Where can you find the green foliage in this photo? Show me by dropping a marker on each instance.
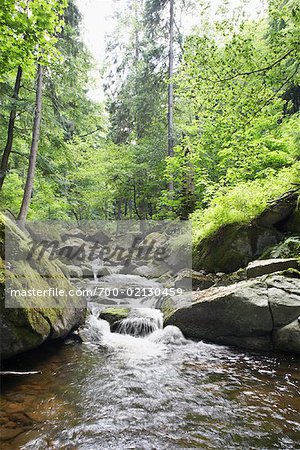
(236, 89)
(243, 202)
(28, 32)
(237, 96)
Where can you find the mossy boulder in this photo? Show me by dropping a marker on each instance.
(233, 246)
(113, 315)
(26, 324)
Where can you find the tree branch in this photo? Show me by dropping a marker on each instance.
(274, 95)
(241, 74)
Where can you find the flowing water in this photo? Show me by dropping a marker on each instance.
(159, 391)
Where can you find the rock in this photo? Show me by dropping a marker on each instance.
(237, 310)
(284, 308)
(233, 246)
(293, 224)
(244, 314)
(100, 236)
(190, 279)
(76, 233)
(25, 325)
(113, 315)
(73, 252)
(287, 338)
(264, 267)
(103, 271)
(288, 248)
(166, 305)
(150, 272)
(260, 343)
(279, 211)
(284, 299)
(75, 272)
(88, 271)
(128, 269)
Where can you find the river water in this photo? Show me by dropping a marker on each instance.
(156, 392)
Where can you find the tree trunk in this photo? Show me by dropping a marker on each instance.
(34, 148)
(171, 87)
(10, 131)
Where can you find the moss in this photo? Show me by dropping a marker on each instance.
(113, 315)
(292, 273)
(289, 248)
(28, 324)
(232, 247)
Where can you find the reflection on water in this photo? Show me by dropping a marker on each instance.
(146, 394)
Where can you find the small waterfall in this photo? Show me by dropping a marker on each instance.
(141, 335)
(155, 315)
(136, 326)
(141, 322)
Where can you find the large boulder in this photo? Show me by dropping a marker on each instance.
(190, 279)
(246, 314)
(234, 245)
(280, 211)
(25, 325)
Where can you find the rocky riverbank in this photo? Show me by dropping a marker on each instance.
(24, 327)
(258, 314)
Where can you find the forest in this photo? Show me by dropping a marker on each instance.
(201, 125)
(150, 235)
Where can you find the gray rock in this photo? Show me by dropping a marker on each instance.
(287, 338)
(32, 321)
(103, 271)
(233, 246)
(237, 310)
(100, 236)
(190, 279)
(288, 248)
(244, 314)
(76, 233)
(279, 210)
(75, 271)
(284, 306)
(88, 271)
(113, 315)
(264, 267)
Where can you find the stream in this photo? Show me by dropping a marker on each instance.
(160, 391)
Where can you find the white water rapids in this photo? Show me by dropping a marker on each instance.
(140, 335)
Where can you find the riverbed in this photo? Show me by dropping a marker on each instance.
(138, 393)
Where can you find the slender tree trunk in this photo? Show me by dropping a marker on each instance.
(171, 87)
(34, 148)
(10, 131)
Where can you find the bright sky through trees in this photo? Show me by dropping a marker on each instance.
(98, 21)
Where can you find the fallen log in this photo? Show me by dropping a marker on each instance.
(9, 372)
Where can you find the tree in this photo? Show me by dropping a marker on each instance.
(171, 88)
(27, 30)
(10, 131)
(34, 148)
(231, 90)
